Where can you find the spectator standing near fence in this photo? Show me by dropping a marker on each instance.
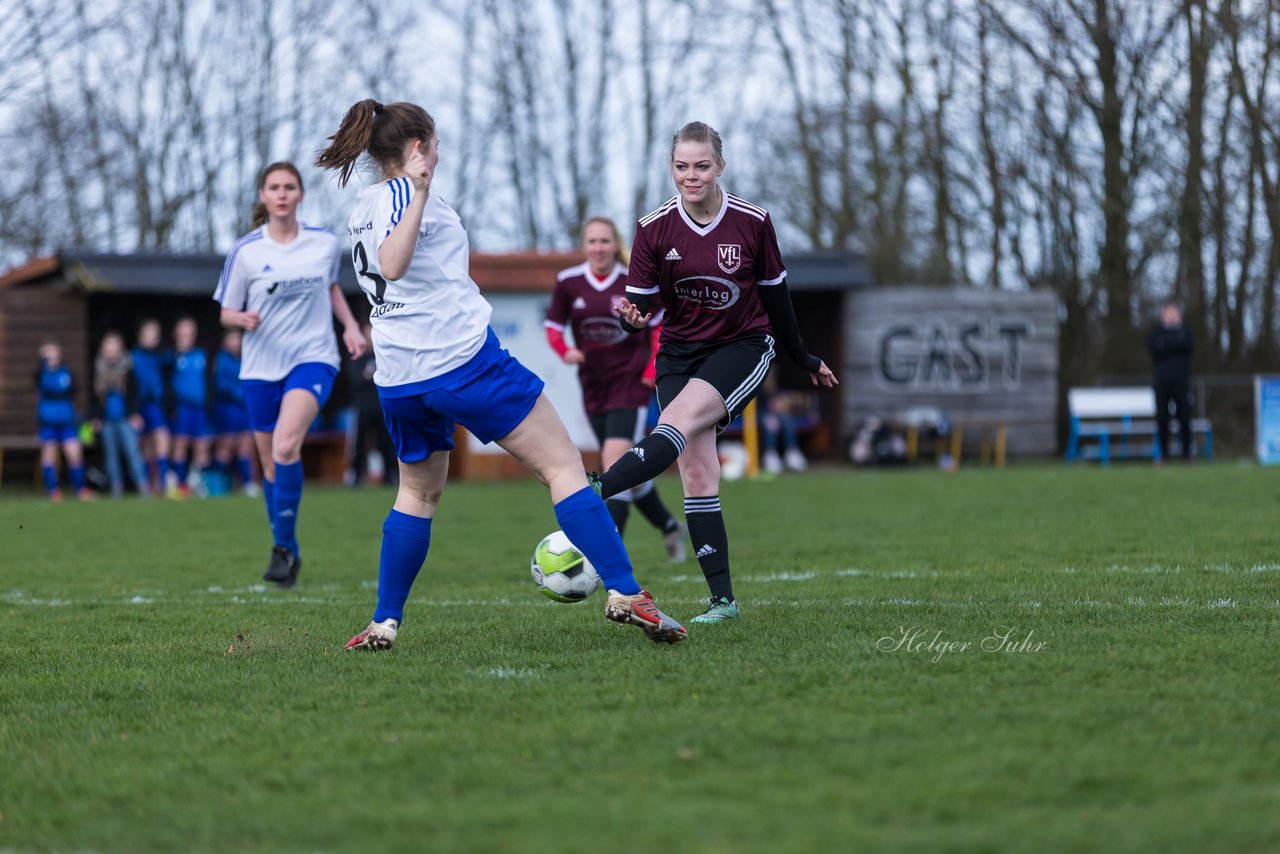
(1171, 345)
(615, 370)
(114, 393)
(58, 424)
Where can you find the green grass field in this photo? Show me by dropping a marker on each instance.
(154, 696)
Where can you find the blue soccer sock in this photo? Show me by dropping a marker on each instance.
(77, 477)
(244, 468)
(183, 468)
(288, 495)
(587, 523)
(405, 540)
(162, 470)
(269, 499)
(50, 478)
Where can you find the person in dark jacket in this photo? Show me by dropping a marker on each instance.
(1171, 345)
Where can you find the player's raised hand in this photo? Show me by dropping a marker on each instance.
(824, 377)
(417, 169)
(630, 314)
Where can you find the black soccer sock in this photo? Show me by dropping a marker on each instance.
(618, 509)
(651, 507)
(651, 456)
(706, 530)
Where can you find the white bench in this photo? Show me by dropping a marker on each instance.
(1120, 423)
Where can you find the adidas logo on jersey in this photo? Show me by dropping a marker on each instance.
(316, 388)
(266, 268)
(673, 255)
(705, 551)
(579, 303)
(638, 451)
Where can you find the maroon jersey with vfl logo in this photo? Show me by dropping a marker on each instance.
(614, 360)
(707, 276)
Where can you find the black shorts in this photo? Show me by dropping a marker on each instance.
(735, 369)
(626, 424)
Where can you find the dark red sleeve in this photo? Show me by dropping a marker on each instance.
(642, 272)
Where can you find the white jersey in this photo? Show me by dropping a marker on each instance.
(433, 319)
(287, 284)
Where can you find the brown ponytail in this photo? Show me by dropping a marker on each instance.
(381, 130)
(259, 209)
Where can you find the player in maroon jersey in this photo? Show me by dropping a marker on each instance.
(713, 259)
(616, 370)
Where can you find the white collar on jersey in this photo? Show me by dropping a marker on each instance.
(698, 229)
(600, 286)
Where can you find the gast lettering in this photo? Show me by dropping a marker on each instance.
(955, 356)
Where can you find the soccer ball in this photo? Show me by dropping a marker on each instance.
(561, 571)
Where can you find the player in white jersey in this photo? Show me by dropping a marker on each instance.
(280, 285)
(438, 363)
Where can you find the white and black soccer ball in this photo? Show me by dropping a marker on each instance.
(561, 571)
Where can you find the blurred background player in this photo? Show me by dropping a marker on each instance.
(440, 362)
(280, 285)
(713, 259)
(59, 427)
(151, 366)
(366, 430)
(1171, 345)
(233, 441)
(191, 411)
(615, 369)
(115, 396)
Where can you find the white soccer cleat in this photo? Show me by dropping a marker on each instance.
(376, 636)
(795, 460)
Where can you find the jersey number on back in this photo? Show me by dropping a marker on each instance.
(361, 260)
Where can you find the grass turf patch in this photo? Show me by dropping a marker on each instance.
(1036, 658)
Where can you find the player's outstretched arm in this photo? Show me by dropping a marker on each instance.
(782, 317)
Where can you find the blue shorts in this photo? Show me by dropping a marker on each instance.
(153, 417)
(490, 396)
(58, 432)
(230, 419)
(191, 422)
(263, 397)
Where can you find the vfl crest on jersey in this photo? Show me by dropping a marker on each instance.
(729, 257)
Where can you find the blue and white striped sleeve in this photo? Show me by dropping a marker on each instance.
(233, 286)
(401, 191)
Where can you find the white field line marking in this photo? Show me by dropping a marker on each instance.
(330, 593)
(1129, 603)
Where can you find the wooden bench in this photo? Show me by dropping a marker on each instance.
(1120, 423)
